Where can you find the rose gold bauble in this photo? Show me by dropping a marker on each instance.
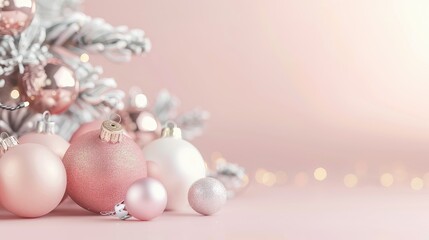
(16, 15)
(52, 87)
(9, 90)
(53, 142)
(99, 172)
(141, 125)
(86, 128)
(32, 180)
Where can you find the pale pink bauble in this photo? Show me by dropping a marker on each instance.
(32, 180)
(86, 128)
(99, 173)
(146, 199)
(53, 142)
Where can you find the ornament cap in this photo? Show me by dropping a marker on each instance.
(120, 211)
(8, 142)
(111, 131)
(46, 125)
(171, 130)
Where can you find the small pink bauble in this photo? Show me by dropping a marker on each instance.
(53, 142)
(85, 128)
(100, 172)
(32, 180)
(146, 199)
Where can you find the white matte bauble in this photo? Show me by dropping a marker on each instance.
(180, 165)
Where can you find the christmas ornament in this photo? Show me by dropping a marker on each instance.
(180, 165)
(207, 196)
(45, 135)
(52, 87)
(146, 199)
(32, 178)
(86, 128)
(140, 123)
(101, 165)
(16, 15)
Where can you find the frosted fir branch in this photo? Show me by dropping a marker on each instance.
(50, 11)
(19, 122)
(80, 33)
(192, 123)
(28, 48)
(165, 107)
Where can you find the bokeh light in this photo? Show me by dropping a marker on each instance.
(84, 57)
(350, 180)
(386, 179)
(320, 174)
(14, 94)
(416, 183)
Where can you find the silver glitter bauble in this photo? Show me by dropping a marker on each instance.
(207, 196)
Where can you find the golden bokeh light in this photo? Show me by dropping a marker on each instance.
(269, 179)
(14, 94)
(386, 179)
(417, 183)
(84, 57)
(350, 180)
(320, 174)
(259, 175)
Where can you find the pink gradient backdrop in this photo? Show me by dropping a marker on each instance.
(290, 85)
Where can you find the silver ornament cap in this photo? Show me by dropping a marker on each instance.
(111, 131)
(46, 125)
(8, 142)
(171, 130)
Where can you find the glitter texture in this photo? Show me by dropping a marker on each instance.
(207, 196)
(99, 173)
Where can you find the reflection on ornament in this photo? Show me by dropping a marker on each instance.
(140, 123)
(16, 15)
(52, 87)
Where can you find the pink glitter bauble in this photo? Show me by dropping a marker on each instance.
(146, 199)
(99, 173)
(32, 180)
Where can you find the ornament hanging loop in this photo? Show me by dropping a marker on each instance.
(46, 125)
(170, 129)
(115, 117)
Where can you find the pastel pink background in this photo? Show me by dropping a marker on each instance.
(290, 84)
